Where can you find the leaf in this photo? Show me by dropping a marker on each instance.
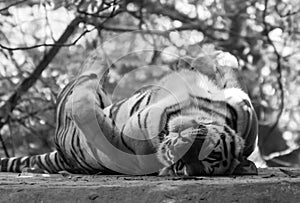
(93, 196)
(65, 174)
(292, 174)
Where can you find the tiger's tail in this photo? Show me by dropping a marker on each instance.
(49, 162)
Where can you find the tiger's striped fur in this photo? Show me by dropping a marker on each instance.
(188, 124)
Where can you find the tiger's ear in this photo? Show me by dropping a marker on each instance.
(245, 167)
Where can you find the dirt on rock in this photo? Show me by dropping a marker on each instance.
(271, 185)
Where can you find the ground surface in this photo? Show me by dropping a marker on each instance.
(271, 185)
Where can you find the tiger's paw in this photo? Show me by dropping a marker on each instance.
(166, 171)
(246, 167)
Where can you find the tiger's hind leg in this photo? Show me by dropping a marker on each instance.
(76, 105)
(84, 105)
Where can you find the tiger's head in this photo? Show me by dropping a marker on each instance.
(200, 148)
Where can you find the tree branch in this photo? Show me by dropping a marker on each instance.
(4, 146)
(166, 10)
(12, 4)
(57, 44)
(27, 83)
(188, 23)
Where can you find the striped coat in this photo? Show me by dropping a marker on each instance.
(187, 124)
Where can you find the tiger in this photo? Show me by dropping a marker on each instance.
(196, 120)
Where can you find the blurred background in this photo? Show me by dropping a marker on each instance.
(43, 44)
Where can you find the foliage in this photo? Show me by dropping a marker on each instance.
(263, 34)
